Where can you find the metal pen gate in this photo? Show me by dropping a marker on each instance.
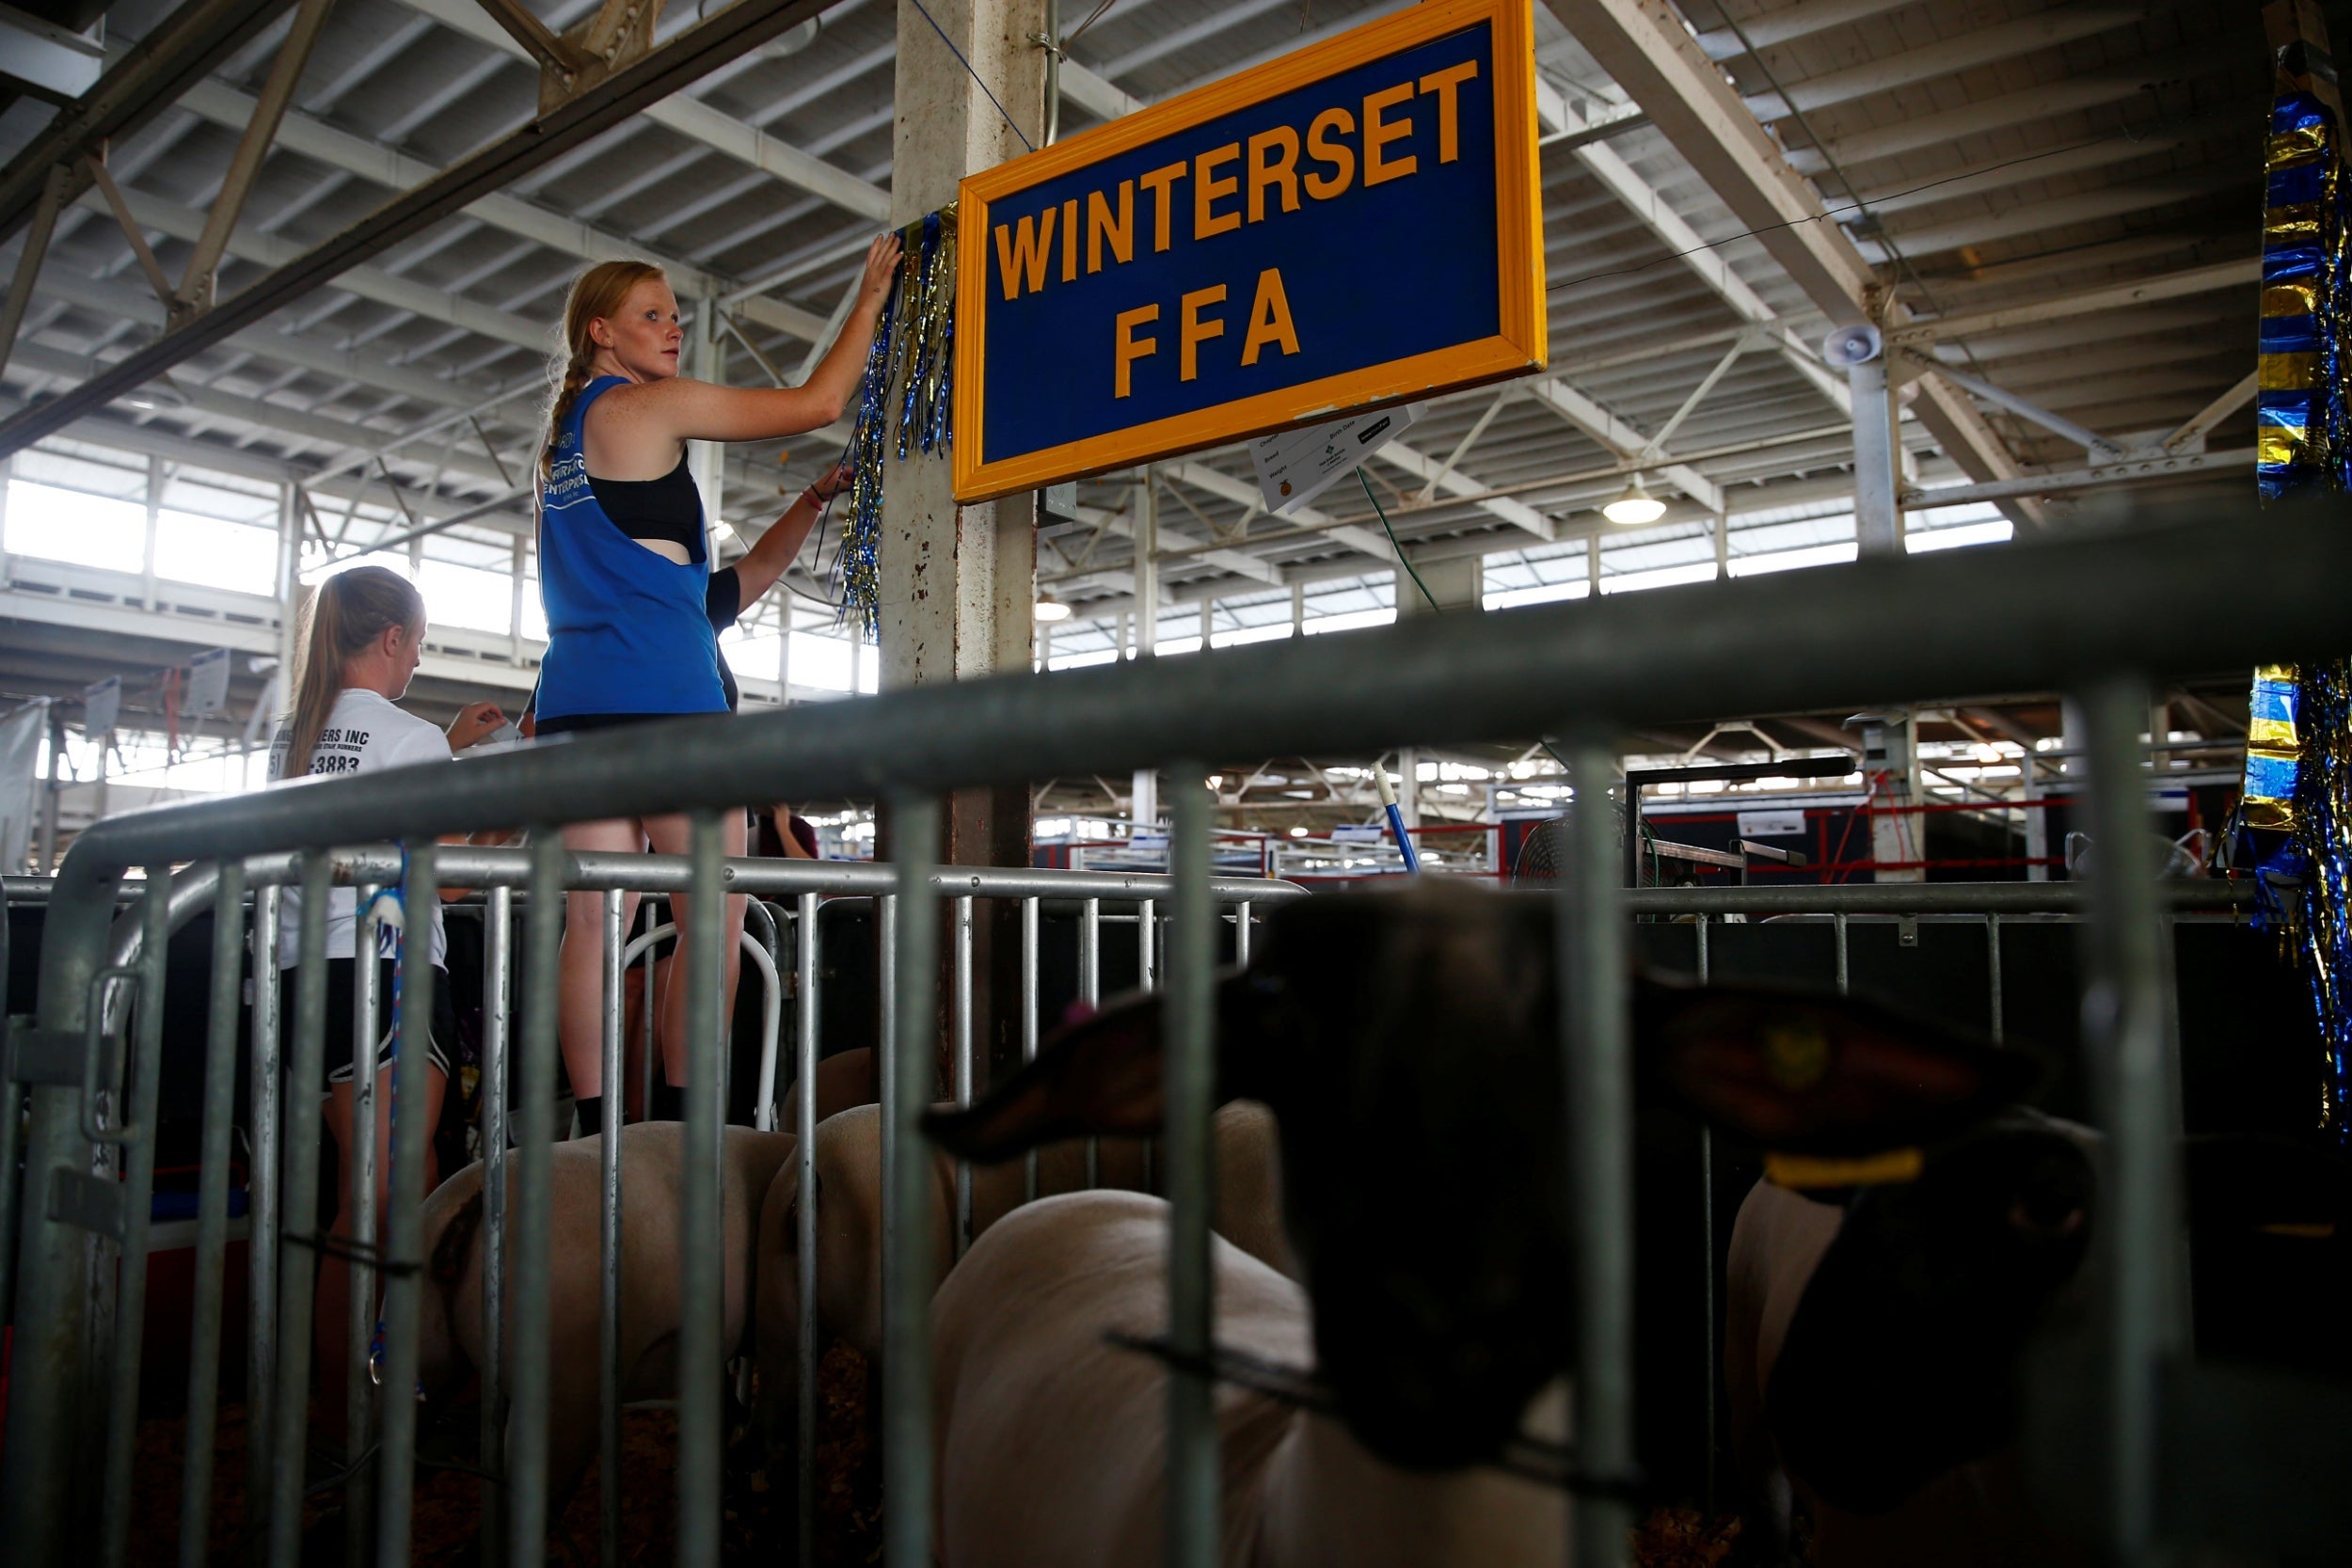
(2021, 619)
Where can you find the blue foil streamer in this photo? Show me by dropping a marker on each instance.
(2297, 804)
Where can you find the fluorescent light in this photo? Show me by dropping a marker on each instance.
(1049, 609)
(1635, 507)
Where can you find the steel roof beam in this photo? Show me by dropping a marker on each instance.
(183, 48)
(2143, 290)
(1620, 440)
(395, 171)
(699, 121)
(1688, 100)
(1797, 21)
(664, 71)
(2045, 101)
(301, 424)
(2086, 207)
(1708, 263)
(371, 283)
(1966, 52)
(1242, 493)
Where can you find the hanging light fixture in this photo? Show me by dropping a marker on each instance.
(1049, 609)
(1635, 507)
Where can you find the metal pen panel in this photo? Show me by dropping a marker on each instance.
(702, 1350)
(1995, 1001)
(804, 1153)
(963, 1062)
(146, 1079)
(212, 1215)
(886, 1069)
(1147, 929)
(649, 1046)
(1837, 924)
(403, 1217)
(528, 1242)
(360, 1193)
(907, 1461)
(11, 1117)
(609, 1245)
(261, 1215)
(1189, 1094)
(1707, 1257)
(497, 941)
(1596, 1035)
(1028, 1026)
(2126, 1041)
(49, 1424)
(1090, 992)
(297, 1266)
(10, 1128)
(1241, 933)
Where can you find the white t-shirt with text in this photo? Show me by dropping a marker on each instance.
(365, 734)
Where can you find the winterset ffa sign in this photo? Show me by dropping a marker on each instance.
(1355, 224)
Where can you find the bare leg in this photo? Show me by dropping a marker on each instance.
(579, 1005)
(331, 1319)
(669, 835)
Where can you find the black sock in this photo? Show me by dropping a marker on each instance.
(590, 1109)
(668, 1103)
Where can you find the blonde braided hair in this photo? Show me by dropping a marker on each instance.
(598, 294)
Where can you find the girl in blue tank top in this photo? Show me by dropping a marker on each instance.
(625, 578)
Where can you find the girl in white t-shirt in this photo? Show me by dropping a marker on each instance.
(364, 639)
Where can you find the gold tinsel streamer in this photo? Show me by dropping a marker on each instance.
(2296, 803)
(912, 364)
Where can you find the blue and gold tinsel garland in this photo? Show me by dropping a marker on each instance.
(911, 364)
(2302, 433)
(2295, 809)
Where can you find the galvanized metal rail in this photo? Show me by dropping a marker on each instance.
(2096, 618)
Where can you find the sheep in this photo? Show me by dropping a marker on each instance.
(1437, 1311)
(1870, 1349)
(1875, 1349)
(848, 1227)
(652, 1272)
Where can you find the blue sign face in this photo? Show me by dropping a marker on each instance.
(1175, 290)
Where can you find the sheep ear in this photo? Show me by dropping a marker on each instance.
(1097, 1077)
(1822, 1074)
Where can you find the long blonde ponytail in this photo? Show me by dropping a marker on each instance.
(350, 610)
(598, 294)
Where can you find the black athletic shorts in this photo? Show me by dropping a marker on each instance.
(341, 1013)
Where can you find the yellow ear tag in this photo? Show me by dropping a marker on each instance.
(1795, 1055)
(1801, 1171)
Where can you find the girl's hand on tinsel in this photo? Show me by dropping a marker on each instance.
(881, 266)
(823, 491)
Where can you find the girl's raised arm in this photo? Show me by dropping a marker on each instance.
(700, 411)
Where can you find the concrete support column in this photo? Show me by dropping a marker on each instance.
(784, 652)
(959, 584)
(1408, 783)
(157, 476)
(518, 568)
(285, 588)
(1878, 520)
(707, 360)
(1723, 544)
(1592, 566)
(1458, 584)
(1145, 807)
(6, 575)
(1298, 610)
(1890, 751)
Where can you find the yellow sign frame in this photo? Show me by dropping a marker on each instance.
(1521, 345)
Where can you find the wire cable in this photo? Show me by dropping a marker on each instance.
(975, 75)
